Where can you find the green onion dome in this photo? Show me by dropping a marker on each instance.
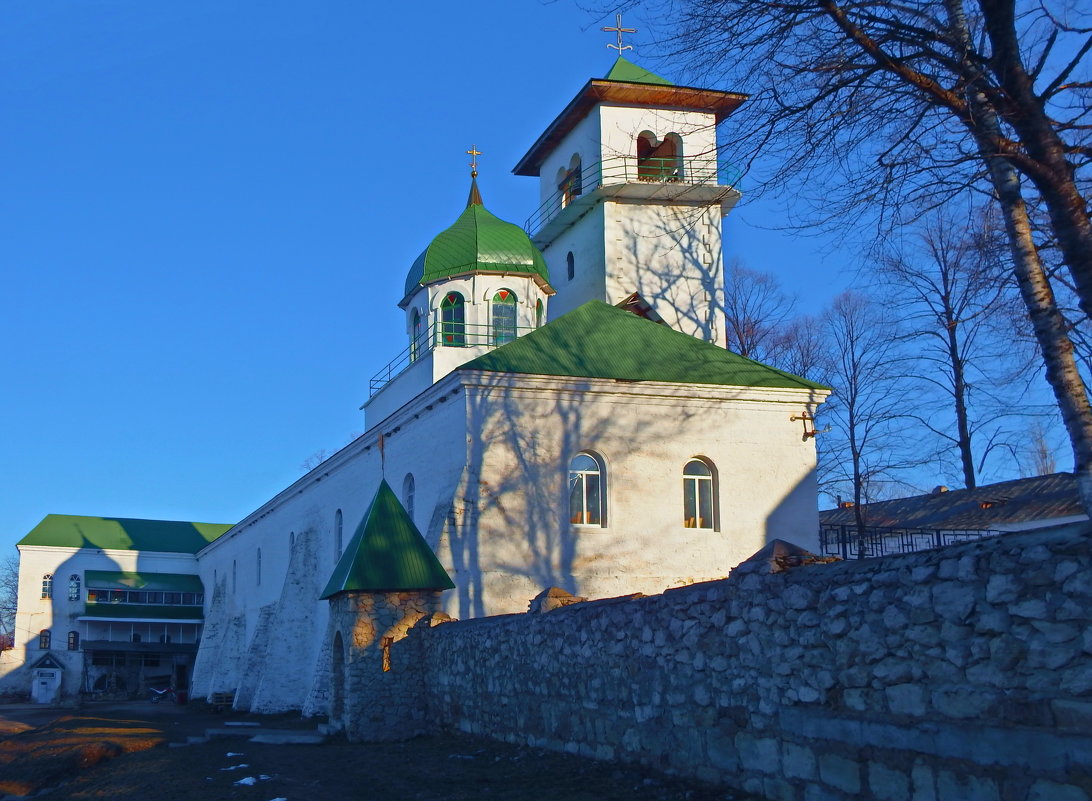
(478, 242)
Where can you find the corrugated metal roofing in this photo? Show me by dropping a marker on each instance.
(625, 70)
(387, 553)
(601, 341)
(1021, 500)
(123, 534)
(478, 241)
(117, 580)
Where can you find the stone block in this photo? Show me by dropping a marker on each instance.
(966, 788)
(1077, 680)
(839, 772)
(1044, 790)
(906, 699)
(798, 761)
(720, 748)
(778, 790)
(923, 783)
(1072, 714)
(1032, 608)
(961, 702)
(1002, 588)
(758, 753)
(886, 784)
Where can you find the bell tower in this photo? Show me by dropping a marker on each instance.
(632, 197)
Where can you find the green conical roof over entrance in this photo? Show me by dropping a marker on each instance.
(600, 341)
(387, 553)
(624, 70)
(478, 242)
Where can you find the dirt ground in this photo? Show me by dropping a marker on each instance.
(122, 752)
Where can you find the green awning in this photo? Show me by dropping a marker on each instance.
(163, 582)
(143, 612)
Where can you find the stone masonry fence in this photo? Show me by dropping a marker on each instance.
(959, 674)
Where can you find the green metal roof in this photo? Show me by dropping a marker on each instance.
(387, 553)
(123, 534)
(624, 70)
(478, 241)
(600, 341)
(166, 582)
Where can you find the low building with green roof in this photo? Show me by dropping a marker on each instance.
(116, 604)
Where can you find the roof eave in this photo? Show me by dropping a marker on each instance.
(600, 90)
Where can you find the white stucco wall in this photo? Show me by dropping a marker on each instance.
(489, 454)
(530, 428)
(671, 255)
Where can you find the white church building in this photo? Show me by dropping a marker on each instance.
(564, 415)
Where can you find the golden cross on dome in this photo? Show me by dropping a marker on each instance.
(619, 30)
(474, 153)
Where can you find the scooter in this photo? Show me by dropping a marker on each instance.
(156, 695)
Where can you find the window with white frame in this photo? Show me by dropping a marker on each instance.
(587, 491)
(699, 495)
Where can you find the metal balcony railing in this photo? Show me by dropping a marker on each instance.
(691, 171)
(446, 335)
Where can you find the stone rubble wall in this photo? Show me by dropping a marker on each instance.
(383, 704)
(959, 674)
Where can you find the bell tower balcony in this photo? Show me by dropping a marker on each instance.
(691, 181)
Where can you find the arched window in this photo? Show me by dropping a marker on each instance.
(259, 568)
(74, 587)
(587, 496)
(43, 639)
(409, 489)
(698, 495)
(659, 160)
(47, 586)
(73, 641)
(539, 313)
(338, 544)
(416, 336)
(504, 317)
(453, 320)
(570, 265)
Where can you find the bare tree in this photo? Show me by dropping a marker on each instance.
(1040, 451)
(756, 310)
(887, 107)
(9, 596)
(951, 289)
(867, 448)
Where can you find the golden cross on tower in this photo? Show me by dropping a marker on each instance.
(474, 153)
(619, 30)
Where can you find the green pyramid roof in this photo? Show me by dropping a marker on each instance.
(601, 341)
(387, 553)
(624, 70)
(123, 534)
(478, 241)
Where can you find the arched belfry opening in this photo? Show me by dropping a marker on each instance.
(659, 159)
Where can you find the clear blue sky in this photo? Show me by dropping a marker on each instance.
(207, 211)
